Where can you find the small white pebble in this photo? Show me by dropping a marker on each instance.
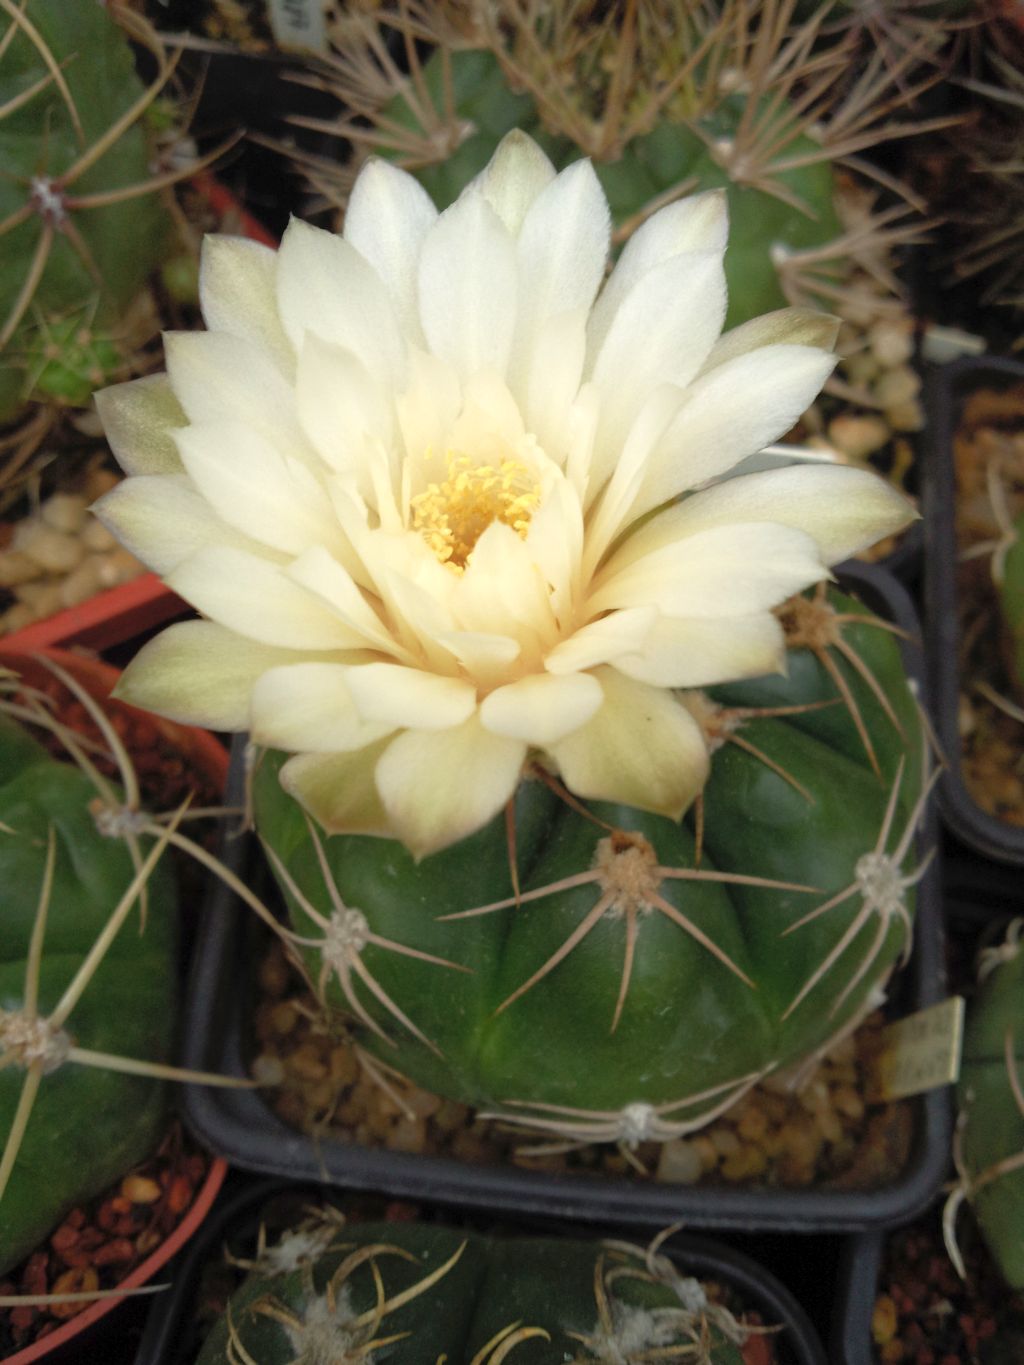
(64, 512)
(679, 1162)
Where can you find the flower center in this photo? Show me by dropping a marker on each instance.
(453, 515)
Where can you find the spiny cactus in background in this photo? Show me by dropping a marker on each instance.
(667, 98)
(989, 1144)
(424, 1293)
(608, 975)
(78, 982)
(88, 965)
(82, 225)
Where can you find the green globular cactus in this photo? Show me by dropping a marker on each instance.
(1010, 591)
(990, 1138)
(637, 976)
(81, 228)
(416, 1294)
(68, 1125)
(667, 101)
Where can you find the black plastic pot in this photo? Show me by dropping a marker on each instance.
(172, 1336)
(241, 1126)
(946, 390)
(857, 1286)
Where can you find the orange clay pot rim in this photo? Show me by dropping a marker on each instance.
(143, 1271)
(99, 678)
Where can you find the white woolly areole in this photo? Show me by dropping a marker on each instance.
(33, 1040)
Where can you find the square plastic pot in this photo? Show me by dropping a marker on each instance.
(240, 1124)
(946, 391)
(171, 1336)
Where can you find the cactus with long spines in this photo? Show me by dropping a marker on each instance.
(667, 100)
(606, 974)
(424, 1293)
(68, 1129)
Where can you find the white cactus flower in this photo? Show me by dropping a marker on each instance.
(431, 484)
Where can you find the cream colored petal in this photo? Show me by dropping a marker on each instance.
(641, 748)
(163, 519)
(339, 790)
(238, 292)
(550, 379)
(247, 594)
(440, 786)
(542, 708)
(428, 406)
(561, 254)
(307, 708)
(734, 410)
(785, 327)
(731, 570)
(603, 641)
(698, 653)
(340, 403)
(555, 544)
(485, 657)
(198, 673)
(216, 376)
(325, 286)
(139, 419)
(660, 334)
(844, 510)
(318, 570)
(467, 287)
(502, 592)
(388, 216)
(513, 178)
(410, 697)
(252, 487)
(613, 511)
(697, 223)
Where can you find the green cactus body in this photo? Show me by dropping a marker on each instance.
(62, 260)
(993, 1114)
(530, 1301)
(1011, 604)
(88, 1126)
(655, 997)
(764, 226)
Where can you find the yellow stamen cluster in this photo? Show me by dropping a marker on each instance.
(453, 515)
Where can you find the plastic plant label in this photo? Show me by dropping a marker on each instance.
(920, 1053)
(298, 23)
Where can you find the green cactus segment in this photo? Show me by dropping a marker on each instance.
(88, 1126)
(118, 244)
(648, 989)
(1011, 604)
(538, 1298)
(673, 154)
(993, 1131)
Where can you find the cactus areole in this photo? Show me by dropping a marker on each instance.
(413, 1294)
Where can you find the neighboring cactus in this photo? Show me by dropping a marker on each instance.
(607, 974)
(81, 227)
(990, 1137)
(424, 1293)
(69, 1129)
(88, 964)
(667, 99)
